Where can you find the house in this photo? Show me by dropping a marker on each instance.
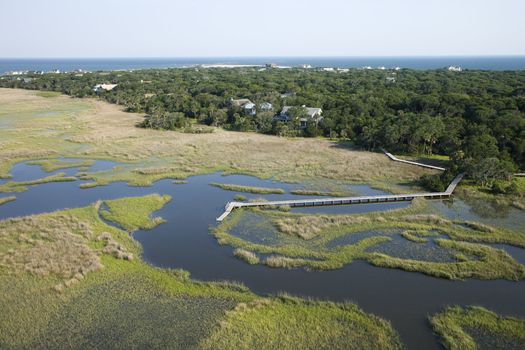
(247, 106)
(107, 87)
(240, 102)
(250, 109)
(390, 79)
(266, 107)
(455, 69)
(312, 114)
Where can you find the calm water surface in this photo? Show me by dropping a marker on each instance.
(108, 64)
(404, 298)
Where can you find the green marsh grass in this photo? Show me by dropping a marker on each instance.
(290, 323)
(415, 236)
(5, 200)
(454, 324)
(248, 189)
(22, 185)
(246, 255)
(49, 165)
(310, 235)
(303, 192)
(52, 296)
(120, 213)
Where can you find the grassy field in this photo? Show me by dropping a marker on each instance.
(476, 328)
(36, 128)
(48, 94)
(301, 240)
(69, 280)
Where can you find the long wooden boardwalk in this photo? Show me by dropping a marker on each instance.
(394, 158)
(343, 200)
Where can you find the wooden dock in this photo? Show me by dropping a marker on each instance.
(343, 200)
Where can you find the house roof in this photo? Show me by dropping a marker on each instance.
(312, 112)
(249, 105)
(240, 102)
(106, 87)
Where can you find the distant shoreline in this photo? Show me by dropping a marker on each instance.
(496, 63)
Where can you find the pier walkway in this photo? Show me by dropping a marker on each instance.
(343, 200)
(394, 158)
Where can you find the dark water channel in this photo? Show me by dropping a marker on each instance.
(406, 299)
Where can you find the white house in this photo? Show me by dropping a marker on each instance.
(247, 106)
(266, 107)
(455, 68)
(107, 87)
(312, 114)
(250, 109)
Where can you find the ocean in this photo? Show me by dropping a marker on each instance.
(497, 63)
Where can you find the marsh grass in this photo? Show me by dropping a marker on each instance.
(247, 189)
(45, 303)
(54, 291)
(5, 200)
(22, 186)
(290, 323)
(50, 165)
(240, 198)
(179, 182)
(91, 129)
(88, 185)
(277, 261)
(250, 257)
(454, 323)
(309, 227)
(132, 213)
(303, 192)
(42, 246)
(416, 236)
(313, 235)
(489, 264)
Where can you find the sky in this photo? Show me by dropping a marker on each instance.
(270, 28)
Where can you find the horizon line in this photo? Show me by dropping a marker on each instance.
(270, 56)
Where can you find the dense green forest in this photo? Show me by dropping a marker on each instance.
(475, 117)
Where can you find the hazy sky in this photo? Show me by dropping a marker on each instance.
(185, 28)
